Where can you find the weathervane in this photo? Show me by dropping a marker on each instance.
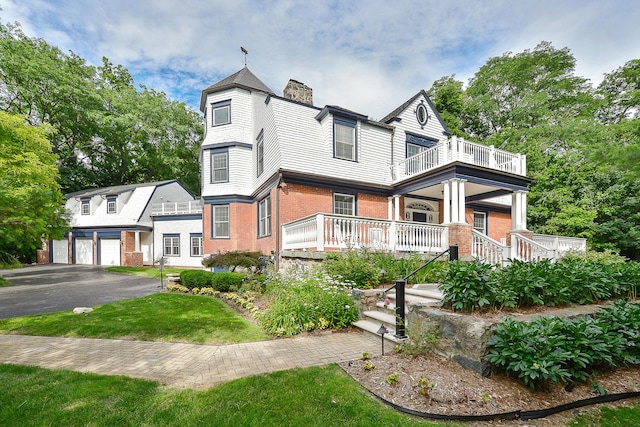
(243, 50)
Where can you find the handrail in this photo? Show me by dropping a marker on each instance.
(404, 279)
(400, 284)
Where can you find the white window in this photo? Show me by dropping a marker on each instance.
(196, 245)
(264, 217)
(260, 154)
(480, 222)
(86, 208)
(221, 113)
(171, 245)
(344, 134)
(111, 205)
(220, 225)
(413, 149)
(219, 167)
(344, 204)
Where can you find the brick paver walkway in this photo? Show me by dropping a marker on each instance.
(184, 365)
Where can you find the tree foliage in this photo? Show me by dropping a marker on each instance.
(582, 144)
(107, 131)
(31, 204)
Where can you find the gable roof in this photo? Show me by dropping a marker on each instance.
(115, 190)
(392, 115)
(243, 78)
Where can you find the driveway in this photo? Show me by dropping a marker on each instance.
(48, 288)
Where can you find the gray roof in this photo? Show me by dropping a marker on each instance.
(118, 189)
(243, 78)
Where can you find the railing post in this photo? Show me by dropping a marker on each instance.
(393, 232)
(492, 157)
(320, 232)
(400, 308)
(453, 253)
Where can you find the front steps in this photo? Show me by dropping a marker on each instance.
(423, 295)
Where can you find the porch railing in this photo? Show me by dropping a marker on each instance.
(459, 150)
(330, 231)
(561, 245)
(488, 250)
(525, 249)
(176, 208)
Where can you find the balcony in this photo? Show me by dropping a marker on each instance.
(176, 208)
(459, 150)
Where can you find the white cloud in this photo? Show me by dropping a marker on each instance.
(367, 56)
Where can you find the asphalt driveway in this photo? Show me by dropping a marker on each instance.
(48, 288)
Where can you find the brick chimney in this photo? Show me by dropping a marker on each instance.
(298, 91)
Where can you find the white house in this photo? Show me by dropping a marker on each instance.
(115, 225)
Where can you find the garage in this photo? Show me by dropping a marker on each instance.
(60, 249)
(84, 251)
(109, 252)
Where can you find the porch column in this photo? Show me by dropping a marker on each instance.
(137, 241)
(455, 210)
(461, 203)
(390, 208)
(446, 203)
(523, 210)
(396, 199)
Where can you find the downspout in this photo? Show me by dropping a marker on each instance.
(276, 261)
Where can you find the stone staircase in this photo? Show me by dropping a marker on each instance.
(422, 295)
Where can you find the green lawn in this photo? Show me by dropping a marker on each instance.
(157, 317)
(153, 272)
(298, 397)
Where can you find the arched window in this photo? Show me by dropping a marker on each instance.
(422, 211)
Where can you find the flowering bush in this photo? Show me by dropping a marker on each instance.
(178, 288)
(306, 303)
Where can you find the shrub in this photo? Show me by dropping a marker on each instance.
(224, 282)
(356, 266)
(178, 288)
(469, 285)
(234, 259)
(306, 303)
(551, 349)
(195, 278)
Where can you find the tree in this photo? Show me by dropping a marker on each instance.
(107, 131)
(31, 204)
(449, 99)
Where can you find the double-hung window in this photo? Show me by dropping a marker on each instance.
(220, 223)
(112, 206)
(221, 113)
(264, 217)
(196, 244)
(344, 204)
(219, 166)
(260, 154)
(85, 207)
(171, 244)
(344, 139)
(480, 222)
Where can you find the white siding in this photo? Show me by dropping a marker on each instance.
(433, 128)
(241, 127)
(184, 228)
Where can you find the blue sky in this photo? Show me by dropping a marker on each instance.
(367, 56)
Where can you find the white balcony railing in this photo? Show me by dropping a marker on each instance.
(459, 150)
(329, 231)
(176, 208)
(525, 249)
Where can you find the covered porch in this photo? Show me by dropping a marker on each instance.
(329, 232)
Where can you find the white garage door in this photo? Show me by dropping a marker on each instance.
(109, 251)
(84, 251)
(60, 251)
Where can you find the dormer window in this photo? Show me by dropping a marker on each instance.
(221, 113)
(344, 139)
(111, 205)
(85, 207)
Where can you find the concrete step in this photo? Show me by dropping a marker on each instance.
(388, 318)
(416, 300)
(429, 294)
(427, 286)
(372, 327)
